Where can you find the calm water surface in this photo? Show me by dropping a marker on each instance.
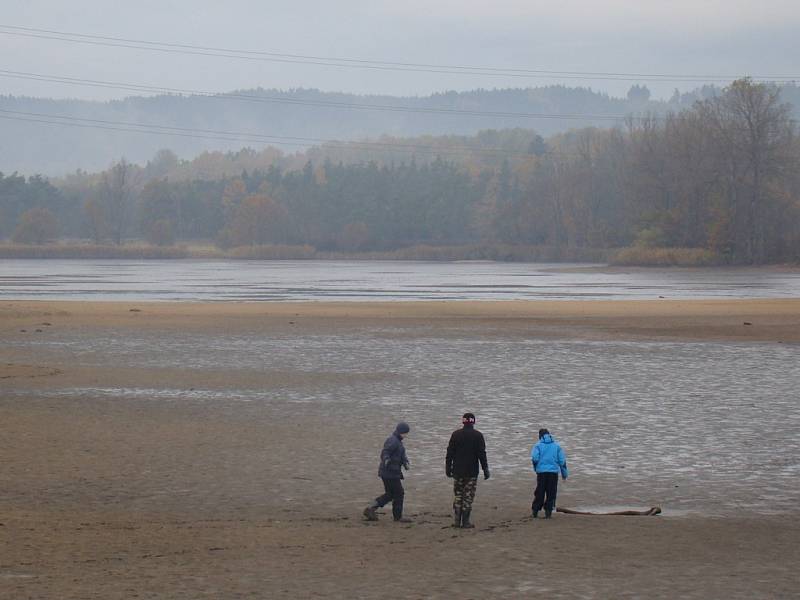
(372, 280)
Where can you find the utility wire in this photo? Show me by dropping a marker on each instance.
(233, 136)
(359, 63)
(307, 102)
(138, 87)
(270, 139)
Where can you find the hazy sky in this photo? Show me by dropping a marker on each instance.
(684, 37)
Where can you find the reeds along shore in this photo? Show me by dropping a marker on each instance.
(631, 256)
(498, 252)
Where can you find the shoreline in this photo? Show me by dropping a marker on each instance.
(181, 254)
(629, 257)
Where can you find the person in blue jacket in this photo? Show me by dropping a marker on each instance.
(393, 460)
(548, 461)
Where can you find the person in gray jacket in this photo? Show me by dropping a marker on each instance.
(393, 461)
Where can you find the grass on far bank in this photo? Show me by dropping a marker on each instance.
(642, 256)
(88, 251)
(639, 256)
(495, 252)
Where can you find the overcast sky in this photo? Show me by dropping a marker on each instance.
(683, 37)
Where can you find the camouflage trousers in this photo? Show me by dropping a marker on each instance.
(464, 492)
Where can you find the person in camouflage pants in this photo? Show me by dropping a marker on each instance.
(466, 450)
(464, 493)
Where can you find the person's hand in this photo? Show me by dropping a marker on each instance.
(563, 477)
(449, 473)
(486, 474)
(407, 465)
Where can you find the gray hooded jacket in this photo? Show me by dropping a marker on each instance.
(393, 457)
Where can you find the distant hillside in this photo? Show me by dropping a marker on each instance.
(31, 146)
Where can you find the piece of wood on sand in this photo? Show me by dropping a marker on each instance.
(656, 510)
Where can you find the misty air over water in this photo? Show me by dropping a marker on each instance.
(433, 299)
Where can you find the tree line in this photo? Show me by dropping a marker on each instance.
(37, 147)
(721, 178)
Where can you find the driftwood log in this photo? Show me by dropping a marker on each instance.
(656, 510)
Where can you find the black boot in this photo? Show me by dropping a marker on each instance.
(456, 517)
(369, 512)
(465, 524)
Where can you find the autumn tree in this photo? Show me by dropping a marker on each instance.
(160, 212)
(19, 194)
(354, 236)
(36, 226)
(233, 195)
(163, 164)
(257, 220)
(160, 232)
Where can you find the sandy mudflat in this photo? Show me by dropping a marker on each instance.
(756, 320)
(111, 486)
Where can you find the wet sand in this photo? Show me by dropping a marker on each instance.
(109, 498)
(747, 320)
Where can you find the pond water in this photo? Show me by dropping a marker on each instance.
(202, 280)
(700, 427)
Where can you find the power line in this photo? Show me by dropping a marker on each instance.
(270, 139)
(185, 92)
(305, 102)
(232, 136)
(360, 63)
(352, 65)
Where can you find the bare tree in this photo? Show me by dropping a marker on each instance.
(116, 194)
(95, 220)
(753, 132)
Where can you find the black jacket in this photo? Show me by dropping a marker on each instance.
(465, 450)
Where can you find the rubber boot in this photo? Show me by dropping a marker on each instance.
(548, 514)
(456, 517)
(465, 524)
(370, 512)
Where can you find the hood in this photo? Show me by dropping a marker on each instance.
(547, 438)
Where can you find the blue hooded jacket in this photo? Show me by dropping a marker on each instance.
(548, 457)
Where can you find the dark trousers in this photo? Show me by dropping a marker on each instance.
(394, 494)
(546, 490)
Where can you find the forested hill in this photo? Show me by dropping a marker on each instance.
(34, 140)
(717, 183)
